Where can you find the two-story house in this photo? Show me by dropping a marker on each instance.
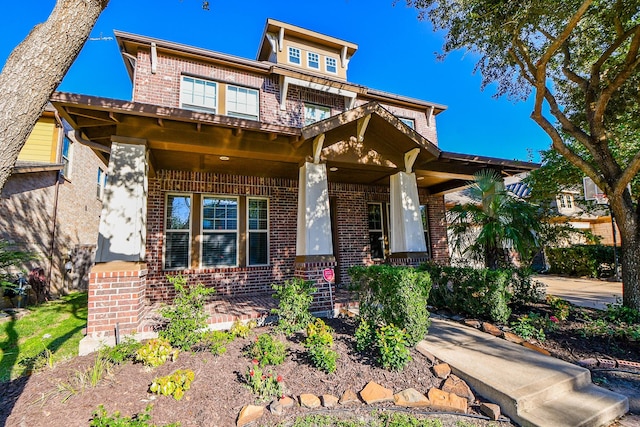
(241, 173)
(51, 204)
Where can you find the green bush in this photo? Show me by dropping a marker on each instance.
(294, 299)
(392, 345)
(242, 330)
(102, 419)
(582, 261)
(215, 342)
(364, 335)
(174, 384)
(319, 345)
(476, 292)
(268, 350)
(156, 352)
(524, 288)
(186, 316)
(121, 352)
(394, 295)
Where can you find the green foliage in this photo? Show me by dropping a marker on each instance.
(582, 261)
(242, 330)
(215, 342)
(394, 295)
(268, 350)
(616, 322)
(265, 385)
(533, 325)
(101, 418)
(478, 292)
(98, 370)
(319, 345)
(186, 316)
(174, 384)
(294, 299)
(524, 288)
(156, 352)
(393, 350)
(561, 308)
(11, 258)
(364, 335)
(375, 419)
(619, 314)
(123, 351)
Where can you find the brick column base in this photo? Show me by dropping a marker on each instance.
(116, 297)
(324, 297)
(408, 260)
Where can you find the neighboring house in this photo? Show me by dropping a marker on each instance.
(50, 205)
(241, 173)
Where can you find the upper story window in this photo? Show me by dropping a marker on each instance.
(66, 157)
(565, 201)
(198, 94)
(242, 102)
(294, 55)
(177, 239)
(331, 65)
(313, 60)
(315, 113)
(409, 122)
(102, 183)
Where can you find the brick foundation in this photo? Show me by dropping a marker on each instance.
(116, 298)
(324, 297)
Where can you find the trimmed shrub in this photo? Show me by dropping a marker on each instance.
(268, 350)
(582, 261)
(319, 345)
(394, 295)
(294, 299)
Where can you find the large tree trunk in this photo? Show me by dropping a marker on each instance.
(35, 68)
(627, 219)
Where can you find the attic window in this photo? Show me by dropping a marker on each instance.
(294, 55)
(331, 65)
(409, 122)
(313, 60)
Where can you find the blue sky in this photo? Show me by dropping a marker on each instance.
(396, 53)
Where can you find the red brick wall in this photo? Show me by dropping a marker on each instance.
(351, 223)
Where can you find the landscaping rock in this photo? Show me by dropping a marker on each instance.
(536, 348)
(444, 401)
(310, 401)
(287, 401)
(458, 387)
(248, 414)
(588, 363)
(491, 410)
(509, 336)
(329, 400)
(375, 393)
(442, 370)
(411, 398)
(473, 323)
(491, 329)
(348, 397)
(422, 349)
(277, 407)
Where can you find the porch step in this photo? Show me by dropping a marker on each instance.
(531, 388)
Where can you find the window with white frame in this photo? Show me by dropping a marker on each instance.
(315, 113)
(294, 55)
(101, 184)
(425, 226)
(198, 94)
(409, 122)
(331, 65)
(66, 157)
(177, 240)
(313, 60)
(219, 231)
(565, 201)
(376, 231)
(258, 230)
(242, 102)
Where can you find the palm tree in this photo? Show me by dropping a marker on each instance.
(498, 221)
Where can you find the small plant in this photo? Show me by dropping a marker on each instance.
(267, 350)
(294, 299)
(242, 330)
(156, 352)
(319, 345)
(530, 326)
(186, 316)
(364, 335)
(265, 385)
(121, 352)
(561, 308)
(617, 313)
(215, 341)
(98, 370)
(174, 384)
(102, 419)
(392, 346)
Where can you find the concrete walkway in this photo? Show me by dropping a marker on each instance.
(590, 293)
(531, 388)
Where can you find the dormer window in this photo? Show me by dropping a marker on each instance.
(313, 60)
(331, 65)
(198, 94)
(294, 55)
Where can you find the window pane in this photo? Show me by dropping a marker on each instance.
(375, 217)
(331, 65)
(313, 60)
(178, 212)
(219, 213)
(242, 102)
(198, 94)
(257, 214)
(177, 250)
(377, 244)
(315, 113)
(294, 55)
(258, 250)
(219, 249)
(408, 122)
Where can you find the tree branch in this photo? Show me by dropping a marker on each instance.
(628, 174)
(568, 72)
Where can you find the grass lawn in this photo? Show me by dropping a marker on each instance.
(49, 333)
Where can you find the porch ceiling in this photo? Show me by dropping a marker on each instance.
(355, 152)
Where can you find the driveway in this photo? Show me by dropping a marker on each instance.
(590, 293)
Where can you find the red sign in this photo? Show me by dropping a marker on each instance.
(328, 275)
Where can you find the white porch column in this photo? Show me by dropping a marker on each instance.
(407, 233)
(314, 223)
(123, 224)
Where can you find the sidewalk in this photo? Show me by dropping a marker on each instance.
(591, 293)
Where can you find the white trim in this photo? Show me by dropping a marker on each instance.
(326, 64)
(267, 232)
(203, 231)
(376, 230)
(317, 61)
(165, 230)
(197, 107)
(291, 49)
(230, 113)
